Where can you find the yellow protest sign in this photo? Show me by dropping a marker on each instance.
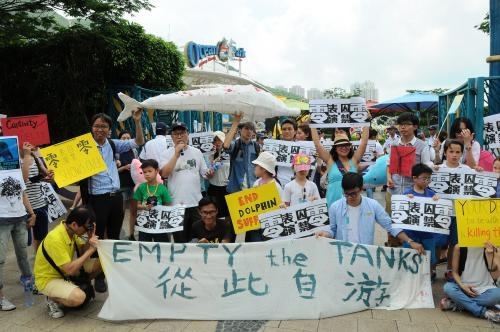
(246, 205)
(478, 221)
(73, 160)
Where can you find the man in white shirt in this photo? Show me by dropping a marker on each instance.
(183, 169)
(155, 148)
(392, 137)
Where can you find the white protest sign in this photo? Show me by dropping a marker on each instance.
(56, 208)
(421, 214)
(160, 219)
(316, 278)
(202, 141)
(285, 150)
(295, 221)
(492, 131)
(170, 143)
(370, 155)
(463, 183)
(330, 113)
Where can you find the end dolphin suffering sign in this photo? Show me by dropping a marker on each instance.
(246, 205)
(478, 221)
(32, 128)
(316, 278)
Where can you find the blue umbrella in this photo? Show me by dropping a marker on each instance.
(417, 101)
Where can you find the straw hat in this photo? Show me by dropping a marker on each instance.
(341, 139)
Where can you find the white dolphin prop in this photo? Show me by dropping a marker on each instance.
(257, 104)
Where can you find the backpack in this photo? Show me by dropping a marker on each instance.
(486, 159)
(234, 153)
(85, 183)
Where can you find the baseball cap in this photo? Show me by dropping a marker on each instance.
(179, 125)
(433, 127)
(161, 128)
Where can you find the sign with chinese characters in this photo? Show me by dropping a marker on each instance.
(31, 128)
(56, 208)
(73, 160)
(463, 183)
(295, 221)
(246, 205)
(492, 131)
(316, 278)
(421, 214)
(285, 150)
(160, 219)
(202, 141)
(170, 143)
(9, 153)
(370, 155)
(478, 221)
(330, 113)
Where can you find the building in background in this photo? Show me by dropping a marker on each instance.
(366, 90)
(314, 93)
(297, 90)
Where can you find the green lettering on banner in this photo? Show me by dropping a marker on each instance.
(150, 251)
(206, 247)
(230, 260)
(117, 251)
(365, 254)
(339, 245)
(173, 251)
(389, 260)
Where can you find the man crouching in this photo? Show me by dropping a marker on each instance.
(76, 234)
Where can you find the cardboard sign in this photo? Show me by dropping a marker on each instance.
(402, 159)
(274, 280)
(492, 131)
(421, 214)
(202, 141)
(478, 221)
(73, 160)
(295, 221)
(370, 155)
(31, 128)
(56, 208)
(9, 153)
(331, 113)
(246, 205)
(160, 219)
(464, 183)
(284, 151)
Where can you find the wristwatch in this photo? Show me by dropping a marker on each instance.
(468, 147)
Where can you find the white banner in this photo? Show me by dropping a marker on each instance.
(56, 208)
(160, 219)
(492, 131)
(285, 150)
(202, 141)
(421, 214)
(315, 278)
(461, 183)
(295, 221)
(329, 113)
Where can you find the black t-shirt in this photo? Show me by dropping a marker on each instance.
(220, 232)
(125, 177)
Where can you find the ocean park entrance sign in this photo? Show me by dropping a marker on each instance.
(198, 55)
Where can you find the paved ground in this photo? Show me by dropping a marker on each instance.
(425, 320)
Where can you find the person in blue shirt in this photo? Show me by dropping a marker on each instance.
(421, 175)
(353, 217)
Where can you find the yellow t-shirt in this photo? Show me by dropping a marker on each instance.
(61, 248)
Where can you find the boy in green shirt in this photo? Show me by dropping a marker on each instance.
(150, 194)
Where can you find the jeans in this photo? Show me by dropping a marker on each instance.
(19, 235)
(475, 305)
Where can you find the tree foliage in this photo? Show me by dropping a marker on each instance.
(338, 92)
(436, 91)
(484, 26)
(68, 74)
(23, 21)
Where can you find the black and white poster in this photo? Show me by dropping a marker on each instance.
(331, 113)
(492, 131)
(56, 208)
(285, 150)
(460, 183)
(295, 221)
(170, 143)
(370, 155)
(421, 214)
(202, 141)
(160, 219)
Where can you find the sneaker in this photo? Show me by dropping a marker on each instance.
(53, 308)
(6, 305)
(100, 285)
(447, 304)
(492, 315)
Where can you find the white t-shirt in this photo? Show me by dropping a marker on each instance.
(155, 149)
(443, 166)
(294, 193)
(184, 181)
(352, 223)
(221, 175)
(285, 175)
(379, 150)
(11, 194)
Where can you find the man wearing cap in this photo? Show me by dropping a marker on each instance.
(242, 152)
(155, 148)
(183, 169)
(391, 139)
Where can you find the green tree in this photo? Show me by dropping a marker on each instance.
(484, 26)
(68, 75)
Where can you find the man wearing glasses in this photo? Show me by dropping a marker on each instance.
(103, 189)
(210, 229)
(353, 217)
(78, 230)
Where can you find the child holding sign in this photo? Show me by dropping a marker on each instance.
(150, 194)
(300, 190)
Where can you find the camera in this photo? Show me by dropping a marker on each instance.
(152, 200)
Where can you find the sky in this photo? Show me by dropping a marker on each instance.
(398, 45)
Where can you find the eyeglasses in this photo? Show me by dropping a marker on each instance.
(207, 213)
(351, 194)
(344, 146)
(424, 179)
(178, 133)
(100, 127)
(89, 227)
(407, 124)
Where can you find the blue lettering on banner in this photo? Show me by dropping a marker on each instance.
(196, 52)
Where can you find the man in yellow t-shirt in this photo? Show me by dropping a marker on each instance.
(60, 246)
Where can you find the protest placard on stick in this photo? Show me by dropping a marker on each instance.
(478, 221)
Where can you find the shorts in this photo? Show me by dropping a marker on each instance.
(127, 193)
(41, 227)
(60, 288)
